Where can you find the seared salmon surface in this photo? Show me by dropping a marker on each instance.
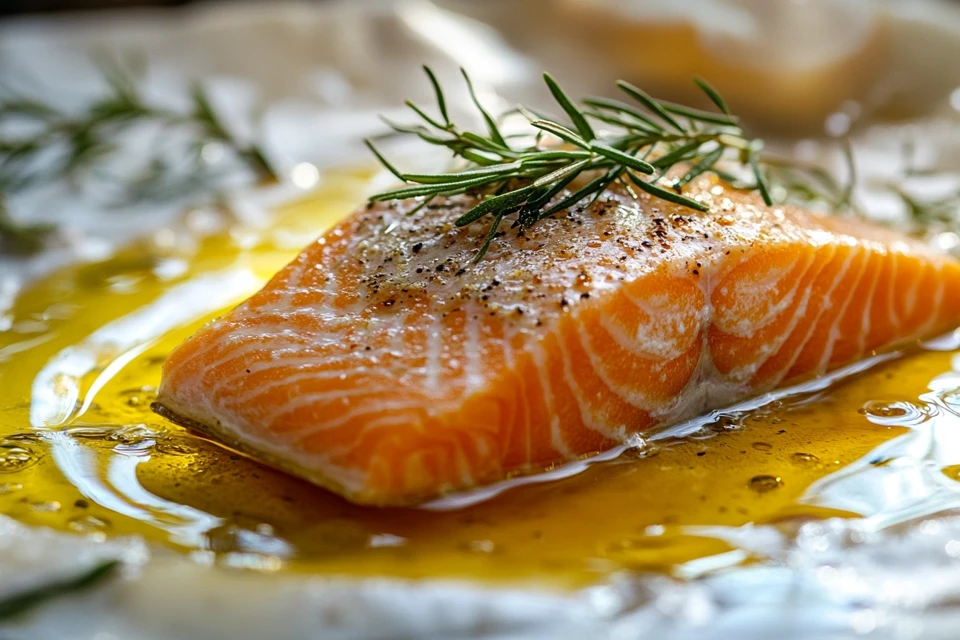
(385, 366)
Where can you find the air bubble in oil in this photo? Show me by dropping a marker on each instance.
(805, 459)
(897, 413)
(14, 458)
(235, 538)
(50, 506)
(88, 524)
(479, 546)
(765, 483)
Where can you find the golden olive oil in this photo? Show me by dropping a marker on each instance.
(81, 451)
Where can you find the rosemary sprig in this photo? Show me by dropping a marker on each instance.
(928, 216)
(942, 211)
(803, 183)
(57, 145)
(20, 603)
(527, 180)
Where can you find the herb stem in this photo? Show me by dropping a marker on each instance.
(62, 145)
(650, 137)
(512, 177)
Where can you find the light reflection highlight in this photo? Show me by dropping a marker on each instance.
(56, 388)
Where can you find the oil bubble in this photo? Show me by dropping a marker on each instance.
(725, 422)
(805, 459)
(10, 487)
(765, 483)
(50, 506)
(133, 441)
(136, 448)
(88, 524)
(898, 413)
(479, 546)
(24, 438)
(14, 458)
(235, 538)
(131, 434)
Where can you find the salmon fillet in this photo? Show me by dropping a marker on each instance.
(382, 365)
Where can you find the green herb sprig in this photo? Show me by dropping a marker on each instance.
(649, 138)
(804, 183)
(60, 145)
(638, 142)
(925, 215)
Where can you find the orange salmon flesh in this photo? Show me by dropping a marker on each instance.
(383, 365)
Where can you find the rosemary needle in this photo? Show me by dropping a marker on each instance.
(648, 139)
(524, 180)
(60, 145)
(637, 141)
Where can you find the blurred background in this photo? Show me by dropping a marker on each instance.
(786, 65)
(10, 7)
(307, 80)
(783, 62)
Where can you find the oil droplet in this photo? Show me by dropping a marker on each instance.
(765, 483)
(46, 507)
(952, 472)
(15, 458)
(133, 441)
(763, 446)
(479, 546)
(88, 524)
(880, 409)
(724, 423)
(386, 540)
(802, 458)
(24, 438)
(131, 435)
(897, 413)
(10, 487)
(138, 448)
(259, 539)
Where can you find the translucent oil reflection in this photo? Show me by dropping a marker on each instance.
(902, 479)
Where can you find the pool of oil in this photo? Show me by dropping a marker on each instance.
(81, 451)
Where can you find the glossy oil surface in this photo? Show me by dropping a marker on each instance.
(81, 451)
